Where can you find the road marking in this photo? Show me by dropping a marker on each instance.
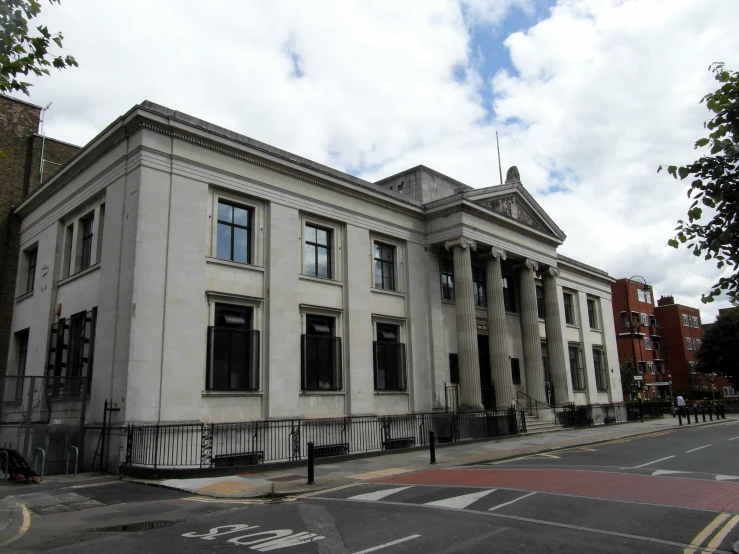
(726, 477)
(381, 546)
(699, 448)
(511, 502)
(460, 502)
(719, 537)
(666, 472)
(654, 462)
(330, 490)
(705, 533)
(547, 456)
(24, 527)
(378, 495)
(380, 473)
(733, 438)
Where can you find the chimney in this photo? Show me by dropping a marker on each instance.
(666, 300)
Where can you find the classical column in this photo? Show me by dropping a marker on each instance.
(555, 344)
(505, 393)
(470, 394)
(533, 364)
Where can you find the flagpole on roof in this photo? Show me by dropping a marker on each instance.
(500, 169)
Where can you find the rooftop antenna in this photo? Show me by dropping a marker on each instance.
(500, 169)
(43, 143)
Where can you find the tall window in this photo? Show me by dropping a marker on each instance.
(694, 319)
(686, 320)
(233, 350)
(650, 368)
(655, 345)
(509, 294)
(31, 257)
(86, 242)
(689, 343)
(576, 368)
(317, 251)
(640, 367)
(601, 373)
(321, 356)
(389, 358)
(70, 356)
(540, 301)
(592, 314)
(478, 286)
(384, 256)
(569, 309)
(644, 319)
(640, 295)
(516, 371)
(647, 343)
(447, 280)
(21, 340)
(68, 262)
(234, 233)
(454, 368)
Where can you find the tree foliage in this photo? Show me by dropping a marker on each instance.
(629, 385)
(21, 53)
(719, 350)
(715, 185)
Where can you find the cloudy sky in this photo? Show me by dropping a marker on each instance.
(588, 97)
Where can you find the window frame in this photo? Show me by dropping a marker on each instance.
(249, 369)
(478, 287)
(86, 240)
(336, 383)
(328, 247)
(577, 373)
(600, 367)
(446, 271)
(593, 319)
(647, 343)
(570, 316)
(383, 263)
(686, 320)
(515, 365)
(650, 368)
(540, 301)
(640, 295)
(248, 228)
(21, 342)
(509, 293)
(383, 325)
(689, 343)
(30, 262)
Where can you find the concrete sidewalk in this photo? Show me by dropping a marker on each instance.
(329, 474)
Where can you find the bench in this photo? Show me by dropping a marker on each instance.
(325, 450)
(393, 444)
(238, 460)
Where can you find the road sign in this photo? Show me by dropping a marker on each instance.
(638, 378)
(660, 383)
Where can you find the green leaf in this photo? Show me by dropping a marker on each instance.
(672, 170)
(673, 243)
(683, 172)
(701, 142)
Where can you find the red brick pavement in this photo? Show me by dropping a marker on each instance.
(670, 491)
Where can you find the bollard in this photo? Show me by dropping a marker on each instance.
(432, 446)
(695, 413)
(76, 459)
(703, 412)
(35, 461)
(679, 417)
(6, 471)
(710, 412)
(311, 465)
(723, 411)
(687, 415)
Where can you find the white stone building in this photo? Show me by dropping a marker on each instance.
(200, 275)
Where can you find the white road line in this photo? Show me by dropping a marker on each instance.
(511, 502)
(379, 547)
(654, 462)
(699, 448)
(726, 477)
(460, 502)
(378, 495)
(733, 438)
(666, 472)
(719, 537)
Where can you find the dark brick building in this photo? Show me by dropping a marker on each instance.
(639, 336)
(683, 333)
(20, 174)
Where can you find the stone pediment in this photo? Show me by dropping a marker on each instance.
(510, 206)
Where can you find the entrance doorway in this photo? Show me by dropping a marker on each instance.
(486, 379)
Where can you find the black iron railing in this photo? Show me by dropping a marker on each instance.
(207, 445)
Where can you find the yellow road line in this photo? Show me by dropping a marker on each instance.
(705, 533)
(329, 490)
(24, 527)
(721, 535)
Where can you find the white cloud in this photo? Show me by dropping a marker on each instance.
(601, 93)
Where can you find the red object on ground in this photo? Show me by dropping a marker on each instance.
(668, 491)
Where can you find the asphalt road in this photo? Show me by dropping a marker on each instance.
(624, 496)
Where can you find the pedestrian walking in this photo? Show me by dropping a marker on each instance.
(680, 404)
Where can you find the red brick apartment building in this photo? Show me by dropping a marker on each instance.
(639, 335)
(20, 174)
(683, 333)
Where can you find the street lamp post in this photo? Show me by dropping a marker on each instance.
(646, 288)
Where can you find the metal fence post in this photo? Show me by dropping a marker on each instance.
(680, 416)
(432, 447)
(311, 468)
(703, 412)
(6, 472)
(76, 459)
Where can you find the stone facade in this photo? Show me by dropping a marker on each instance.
(151, 190)
(19, 175)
